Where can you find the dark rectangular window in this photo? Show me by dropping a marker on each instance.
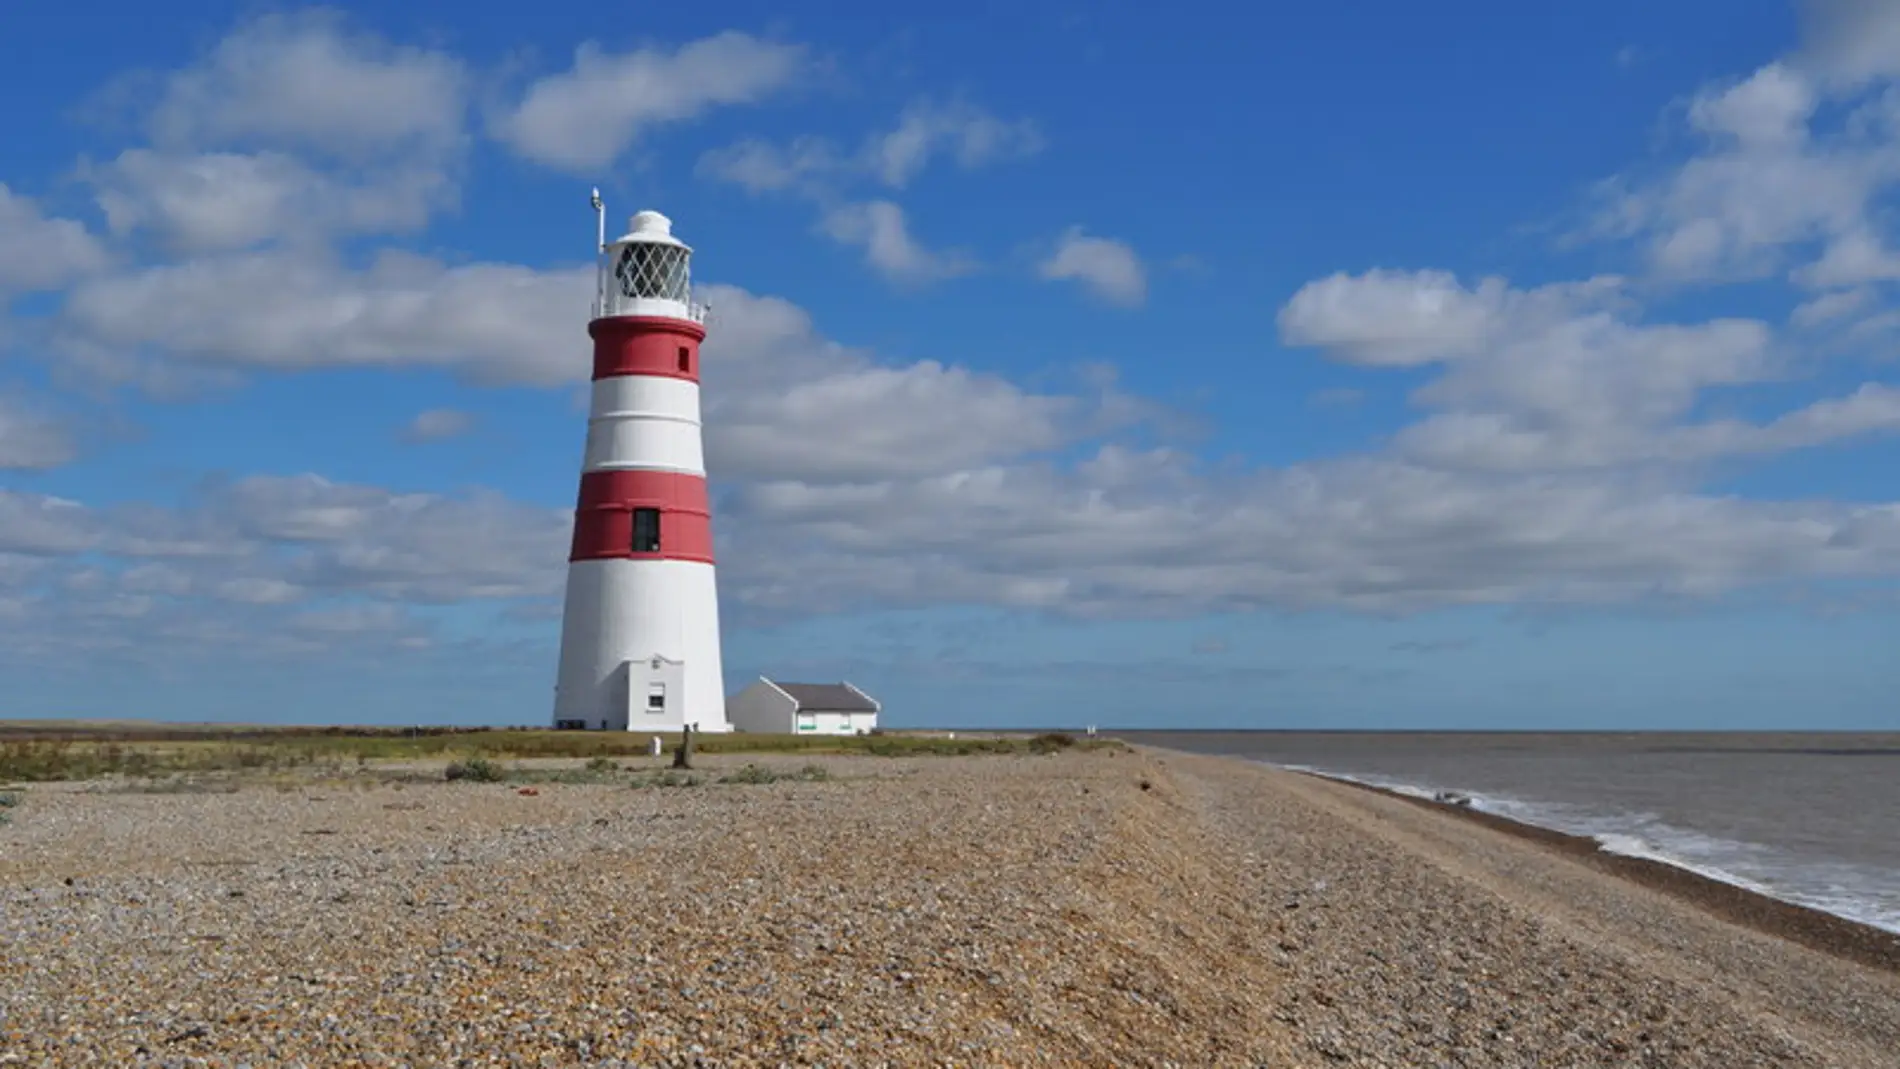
(686, 359)
(646, 530)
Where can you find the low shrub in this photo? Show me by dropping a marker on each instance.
(475, 769)
(750, 773)
(667, 778)
(603, 764)
(1051, 742)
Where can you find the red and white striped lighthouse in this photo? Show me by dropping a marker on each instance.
(640, 630)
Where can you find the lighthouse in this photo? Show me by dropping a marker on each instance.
(640, 628)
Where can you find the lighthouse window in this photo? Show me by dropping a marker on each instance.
(646, 530)
(658, 271)
(686, 359)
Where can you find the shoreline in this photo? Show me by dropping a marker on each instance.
(1829, 933)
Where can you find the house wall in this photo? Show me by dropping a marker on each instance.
(761, 708)
(835, 723)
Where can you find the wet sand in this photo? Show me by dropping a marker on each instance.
(1816, 929)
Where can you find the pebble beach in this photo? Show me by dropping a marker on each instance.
(1080, 908)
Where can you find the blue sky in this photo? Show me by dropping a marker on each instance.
(1354, 365)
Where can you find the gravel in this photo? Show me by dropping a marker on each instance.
(1124, 909)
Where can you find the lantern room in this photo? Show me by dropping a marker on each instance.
(647, 272)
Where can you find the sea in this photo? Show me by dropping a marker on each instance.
(1808, 818)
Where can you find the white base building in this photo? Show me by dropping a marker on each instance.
(772, 708)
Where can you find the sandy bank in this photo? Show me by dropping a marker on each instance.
(973, 911)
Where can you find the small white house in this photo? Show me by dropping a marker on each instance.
(771, 708)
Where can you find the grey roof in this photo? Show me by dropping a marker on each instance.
(827, 697)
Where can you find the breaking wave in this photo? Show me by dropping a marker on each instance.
(1860, 893)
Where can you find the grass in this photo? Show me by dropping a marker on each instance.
(39, 753)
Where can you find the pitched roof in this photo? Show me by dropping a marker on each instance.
(827, 697)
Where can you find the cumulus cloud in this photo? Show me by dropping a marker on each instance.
(267, 542)
(32, 439)
(880, 228)
(38, 252)
(1385, 318)
(960, 131)
(1108, 267)
(1791, 163)
(585, 117)
(307, 80)
(762, 167)
(226, 200)
(1850, 42)
(785, 402)
(968, 134)
(491, 322)
(1371, 534)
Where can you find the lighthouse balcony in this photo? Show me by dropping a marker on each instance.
(612, 304)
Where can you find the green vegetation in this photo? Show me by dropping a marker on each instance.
(7, 801)
(1052, 742)
(475, 770)
(667, 777)
(751, 773)
(45, 752)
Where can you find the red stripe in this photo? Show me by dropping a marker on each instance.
(603, 518)
(646, 345)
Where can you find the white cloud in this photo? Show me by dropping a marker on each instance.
(1768, 111)
(1106, 266)
(1850, 42)
(970, 135)
(879, 227)
(848, 483)
(1373, 534)
(585, 117)
(41, 253)
(437, 424)
(489, 321)
(1851, 259)
(224, 200)
(1399, 318)
(1792, 160)
(967, 134)
(305, 80)
(32, 439)
(1830, 306)
(263, 565)
(1539, 382)
(762, 167)
(784, 402)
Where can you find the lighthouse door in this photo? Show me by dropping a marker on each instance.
(656, 692)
